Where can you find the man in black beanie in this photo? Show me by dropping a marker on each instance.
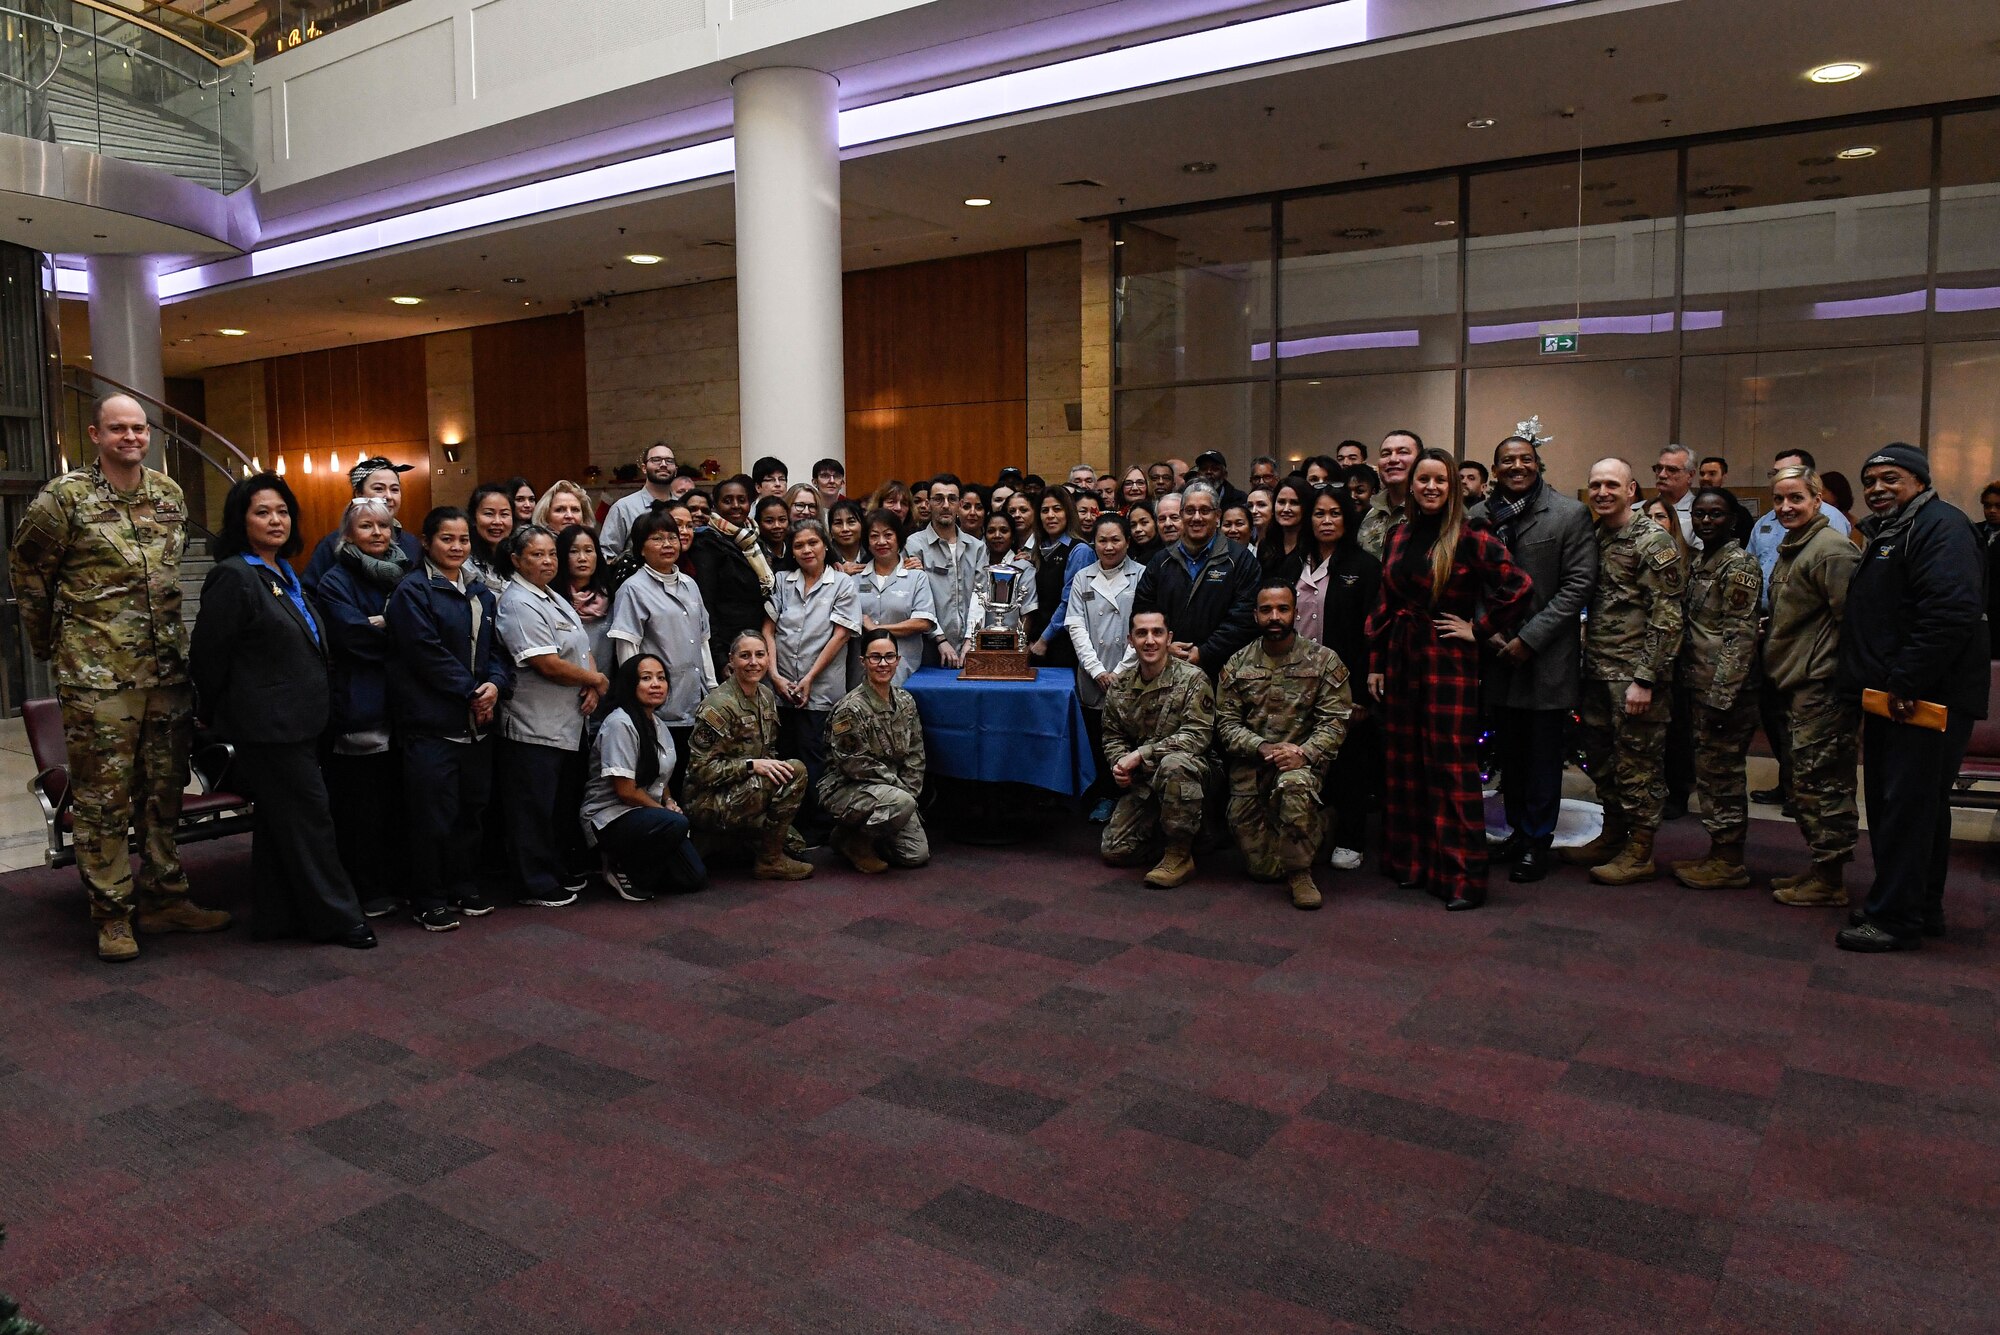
(1916, 630)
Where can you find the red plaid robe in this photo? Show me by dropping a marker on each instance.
(1433, 819)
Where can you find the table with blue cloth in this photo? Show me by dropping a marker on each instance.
(981, 738)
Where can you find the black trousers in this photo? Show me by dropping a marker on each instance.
(1908, 776)
(802, 733)
(1530, 743)
(1101, 787)
(366, 796)
(1680, 745)
(651, 845)
(1354, 781)
(1771, 713)
(299, 887)
(541, 793)
(448, 785)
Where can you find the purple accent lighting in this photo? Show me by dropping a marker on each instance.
(1661, 322)
(1951, 299)
(1306, 347)
(1855, 308)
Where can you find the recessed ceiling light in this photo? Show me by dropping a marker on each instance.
(513, 280)
(1840, 71)
(1444, 222)
(408, 301)
(1481, 123)
(1858, 152)
(642, 259)
(977, 202)
(1648, 99)
(232, 333)
(1197, 168)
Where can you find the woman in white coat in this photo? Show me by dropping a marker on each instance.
(1098, 615)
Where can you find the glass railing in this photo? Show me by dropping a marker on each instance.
(144, 83)
(280, 25)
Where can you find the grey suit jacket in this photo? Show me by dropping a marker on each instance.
(1556, 543)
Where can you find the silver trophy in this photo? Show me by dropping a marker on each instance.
(1001, 628)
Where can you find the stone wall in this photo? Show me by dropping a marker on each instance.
(1055, 340)
(662, 366)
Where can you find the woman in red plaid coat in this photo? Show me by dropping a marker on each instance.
(1447, 588)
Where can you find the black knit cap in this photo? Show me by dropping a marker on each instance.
(1906, 457)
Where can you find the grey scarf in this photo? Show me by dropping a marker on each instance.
(386, 571)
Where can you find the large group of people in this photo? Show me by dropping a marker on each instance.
(529, 690)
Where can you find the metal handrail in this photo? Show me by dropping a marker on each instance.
(58, 26)
(186, 430)
(243, 47)
(55, 68)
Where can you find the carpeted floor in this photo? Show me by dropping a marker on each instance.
(1013, 1092)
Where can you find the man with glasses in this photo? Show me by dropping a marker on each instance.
(1205, 584)
(951, 560)
(659, 468)
(1160, 477)
(1673, 482)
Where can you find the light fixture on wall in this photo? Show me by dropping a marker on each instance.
(451, 454)
(309, 463)
(1839, 71)
(281, 465)
(333, 462)
(408, 301)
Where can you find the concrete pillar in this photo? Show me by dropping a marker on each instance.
(788, 268)
(125, 322)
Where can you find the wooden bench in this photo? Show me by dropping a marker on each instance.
(209, 814)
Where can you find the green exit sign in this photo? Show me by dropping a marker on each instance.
(1557, 343)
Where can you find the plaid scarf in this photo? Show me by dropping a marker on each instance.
(1503, 512)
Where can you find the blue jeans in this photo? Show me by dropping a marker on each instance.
(650, 845)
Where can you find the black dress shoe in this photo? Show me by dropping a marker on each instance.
(1532, 865)
(1675, 808)
(1770, 797)
(358, 937)
(1460, 903)
(1872, 940)
(1508, 849)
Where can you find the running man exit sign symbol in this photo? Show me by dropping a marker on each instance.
(1558, 343)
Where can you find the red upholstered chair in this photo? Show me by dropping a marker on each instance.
(209, 814)
(1982, 755)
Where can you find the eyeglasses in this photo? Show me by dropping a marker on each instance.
(884, 658)
(1659, 469)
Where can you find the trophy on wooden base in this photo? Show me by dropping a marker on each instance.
(999, 649)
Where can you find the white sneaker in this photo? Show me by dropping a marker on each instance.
(1345, 859)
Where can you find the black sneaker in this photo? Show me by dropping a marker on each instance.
(382, 906)
(548, 899)
(622, 886)
(437, 920)
(472, 904)
(575, 882)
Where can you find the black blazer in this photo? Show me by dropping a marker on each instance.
(259, 675)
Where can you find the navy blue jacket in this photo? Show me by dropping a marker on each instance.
(1915, 624)
(1216, 610)
(327, 552)
(436, 668)
(359, 667)
(259, 672)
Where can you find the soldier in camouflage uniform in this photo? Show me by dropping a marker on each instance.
(1386, 509)
(1718, 666)
(96, 567)
(1630, 637)
(1816, 563)
(735, 783)
(1159, 717)
(875, 766)
(1281, 714)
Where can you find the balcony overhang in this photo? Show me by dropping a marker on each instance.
(62, 199)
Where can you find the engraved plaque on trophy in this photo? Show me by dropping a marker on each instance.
(999, 651)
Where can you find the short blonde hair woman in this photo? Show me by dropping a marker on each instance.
(563, 504)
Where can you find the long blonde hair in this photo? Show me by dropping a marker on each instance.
(1444, 552)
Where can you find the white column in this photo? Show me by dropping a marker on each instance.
(788, 336)
(125, 322)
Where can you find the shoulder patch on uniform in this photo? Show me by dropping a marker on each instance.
(1660, 556)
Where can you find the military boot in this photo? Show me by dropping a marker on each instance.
(1305, 895)
(859, 849)
(1822, 887)
(1174, 866)
(115, 941)
(773, 863)
(1604, 847)
(1632, 865)
(181, 915)
(1722, 869)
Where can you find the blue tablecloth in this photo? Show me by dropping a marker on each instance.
(1005, 731)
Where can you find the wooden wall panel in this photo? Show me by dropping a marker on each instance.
(531, 413)
(345, 404)
(936, 368)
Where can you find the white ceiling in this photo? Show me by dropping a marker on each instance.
(1722, 65)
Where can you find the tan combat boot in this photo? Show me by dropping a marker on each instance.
(1822, 887)
(1601, 849)
(115, 941)
(1722, 869)
(1788, 882)
(1632, 865)
(181, 915)
(773, 863)
(1305, 895)
(1174, 866)
(859, 849)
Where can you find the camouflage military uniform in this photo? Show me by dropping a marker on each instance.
(875, 770)
(1718, 665)
(724, 795)
(97, 572)
(1170, 722)
(1631, 632)
(1302, 698)
(1801, 650)
(1376, 523)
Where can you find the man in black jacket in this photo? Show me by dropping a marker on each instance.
(1916, 629)
(1205, 585)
